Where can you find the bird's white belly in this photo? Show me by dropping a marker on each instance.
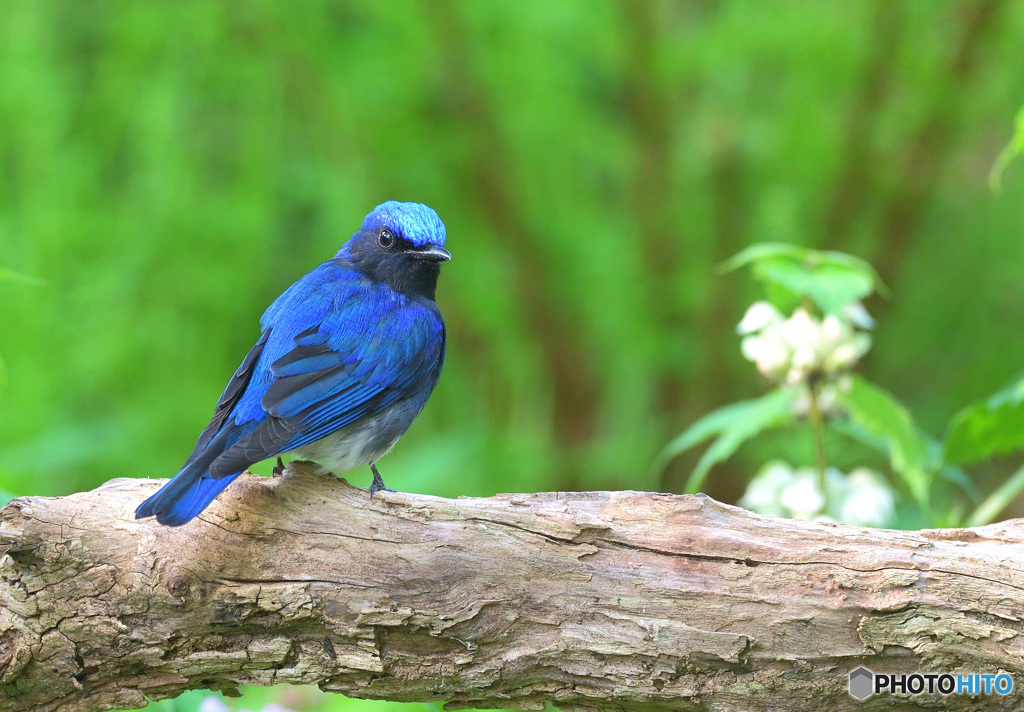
(348, 448)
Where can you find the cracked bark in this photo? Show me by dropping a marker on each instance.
(593, 600)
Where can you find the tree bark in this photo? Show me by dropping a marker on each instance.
(588, 600)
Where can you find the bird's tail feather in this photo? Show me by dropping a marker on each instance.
(185, 496)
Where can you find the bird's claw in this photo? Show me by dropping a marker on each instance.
(279, 467)
(378, 482)
(375, 488)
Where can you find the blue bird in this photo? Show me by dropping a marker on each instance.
(347, 359)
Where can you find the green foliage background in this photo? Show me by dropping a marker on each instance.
(169, 168)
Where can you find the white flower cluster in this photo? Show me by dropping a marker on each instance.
(791, 350)
(863, 497)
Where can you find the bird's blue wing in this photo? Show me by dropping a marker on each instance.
(374, 350)
(230, 398)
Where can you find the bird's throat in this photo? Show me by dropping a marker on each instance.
(413, 278)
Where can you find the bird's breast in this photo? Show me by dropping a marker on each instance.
(362, 442)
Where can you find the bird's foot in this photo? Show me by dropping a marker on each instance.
(378, 482)
(279, 467)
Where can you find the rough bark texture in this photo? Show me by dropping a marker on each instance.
(592, 600)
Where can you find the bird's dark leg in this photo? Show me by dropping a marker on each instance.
(378, 483)
(279, 467)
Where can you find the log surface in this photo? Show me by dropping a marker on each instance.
(587, 600)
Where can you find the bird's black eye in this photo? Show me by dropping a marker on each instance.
(386, 238)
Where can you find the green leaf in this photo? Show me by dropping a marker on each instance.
(5, 497)
(830, 286)
(764, 250)
(881, 416)
(996, 502)
(10, 275)
(855, 432)
(946, 471)
(1012, 149)
(733, 425)
(987, 428)
(830, 279)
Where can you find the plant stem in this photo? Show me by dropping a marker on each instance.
(818, 429)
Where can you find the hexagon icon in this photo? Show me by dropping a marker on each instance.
(862, 683)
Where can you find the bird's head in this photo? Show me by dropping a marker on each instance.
(400, 244)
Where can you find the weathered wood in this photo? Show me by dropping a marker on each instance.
(591, 600)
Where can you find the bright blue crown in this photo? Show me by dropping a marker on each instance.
(414, 222)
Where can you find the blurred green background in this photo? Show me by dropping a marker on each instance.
(170, 168)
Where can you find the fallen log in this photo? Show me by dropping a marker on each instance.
(587, 600)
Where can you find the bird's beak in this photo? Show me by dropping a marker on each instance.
(430, 253)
